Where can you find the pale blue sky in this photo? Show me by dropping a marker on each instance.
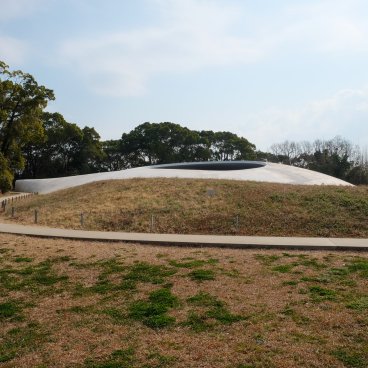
(266, 70)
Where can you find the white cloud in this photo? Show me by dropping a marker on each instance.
(344, 113)
(13, 50)
(195, 34)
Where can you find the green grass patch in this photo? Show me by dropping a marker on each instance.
(359, 304)
(311, 263)
(153, 312)
(266, 259)
(320, 294)
(145, 272)
(202, 275)
(192, 263)
(22, 259)
(20, 340)
(283, 268)
(157, 360)
(350, 358)
(32, 277)
(10, 310)
(118, 359)
(298, 318)
(214, 313)
(359, 265)
(117, 315)
(111, 266)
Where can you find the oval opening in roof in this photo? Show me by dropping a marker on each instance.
(213, 165)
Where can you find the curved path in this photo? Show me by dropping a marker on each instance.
(192, 240)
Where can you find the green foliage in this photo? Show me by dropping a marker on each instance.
(65, 150)
(158, 143)
(22, 101)
(6, 175)
(336, 157)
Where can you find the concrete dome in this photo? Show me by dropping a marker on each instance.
(231, 170)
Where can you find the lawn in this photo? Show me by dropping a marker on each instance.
(190, 206)
(104, 305)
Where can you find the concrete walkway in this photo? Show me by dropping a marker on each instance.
(192, 240)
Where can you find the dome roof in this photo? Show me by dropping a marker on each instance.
(230, 170)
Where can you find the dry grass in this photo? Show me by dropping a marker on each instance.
(184, 206)
(69, 304)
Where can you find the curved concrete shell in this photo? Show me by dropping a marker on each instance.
(231, 170)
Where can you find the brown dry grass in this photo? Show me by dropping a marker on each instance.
(284, 324)
(184, 206)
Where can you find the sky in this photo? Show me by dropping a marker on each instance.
(266, 70)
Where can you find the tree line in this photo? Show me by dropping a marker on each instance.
(35, 143)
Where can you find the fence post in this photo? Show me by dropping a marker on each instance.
(13, 212)
(237, 222)
(36, 216)
(82, 219)
(152, 225)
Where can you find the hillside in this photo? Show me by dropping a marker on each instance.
(203, 207)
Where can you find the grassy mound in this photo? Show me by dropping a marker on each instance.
(203, 207)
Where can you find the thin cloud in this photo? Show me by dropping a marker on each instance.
(13, 9)
(341, 114)
(14, 49)
(195, 34)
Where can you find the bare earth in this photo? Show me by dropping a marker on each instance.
(74, 304)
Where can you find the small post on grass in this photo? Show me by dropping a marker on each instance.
(36, 216)
(82, 219)
(152, 224)
(13, 212)
(237, 223)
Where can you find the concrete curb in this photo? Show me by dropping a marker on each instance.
(222, 241)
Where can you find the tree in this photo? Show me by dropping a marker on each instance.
(336, 157)
(21, 103)
(227, 146)
(65, 150)
(159, 143)
(90, 155)
(114, 158)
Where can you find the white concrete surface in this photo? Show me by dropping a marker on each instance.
(224, 241)
(273, 173)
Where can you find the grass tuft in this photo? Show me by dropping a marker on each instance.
(320, 294)
(202, 275)
(359, 304)
(350, 359)
(153, 312)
